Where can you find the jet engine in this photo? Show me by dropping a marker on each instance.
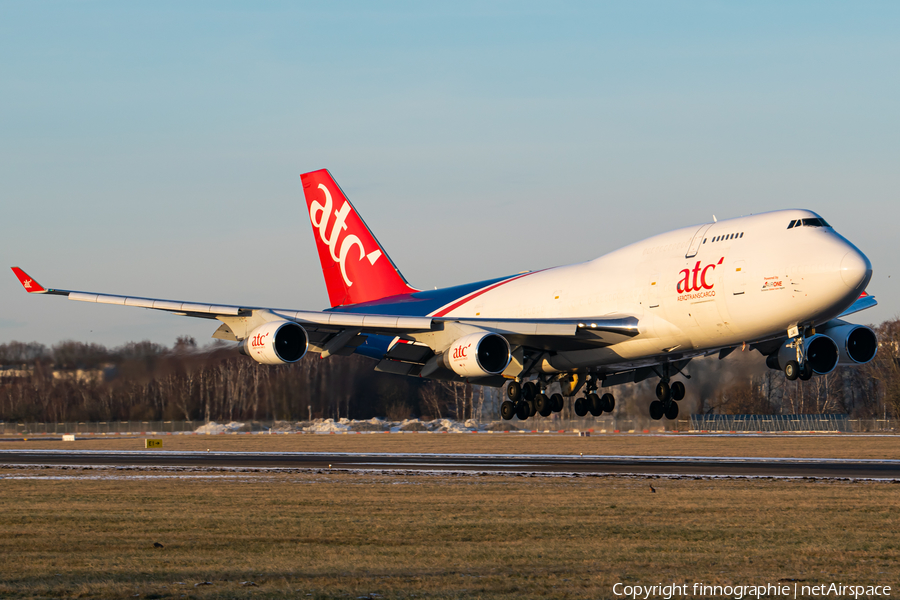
(478, 355)
(276, 343)
(821, 352)
(857, 344)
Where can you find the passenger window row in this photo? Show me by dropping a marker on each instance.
(808, 223)
(728, 236)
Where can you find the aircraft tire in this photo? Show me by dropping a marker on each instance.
(672, 411)
(594, 405)
(556, 402)
(657, 410)
(609, 403)
(523, 411)
(792, 370)
(678, 390)
(514, 391)
(806, 372)
(663, 392)
(529, 390)
(507, 410)
(543, 405)
(580, 407)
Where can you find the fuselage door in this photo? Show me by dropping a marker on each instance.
(653, 296)
(694, 248)
(738, 278)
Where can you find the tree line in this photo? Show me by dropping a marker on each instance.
(74, 381)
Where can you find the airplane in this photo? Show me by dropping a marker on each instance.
(777, 282)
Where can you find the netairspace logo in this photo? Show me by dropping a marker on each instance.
(738, 592)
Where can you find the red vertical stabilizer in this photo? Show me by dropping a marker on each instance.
(356, 267)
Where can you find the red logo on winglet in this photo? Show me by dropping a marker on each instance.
(27, 282)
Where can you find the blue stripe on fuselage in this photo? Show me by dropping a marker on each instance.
(417, 304)
(375, 346)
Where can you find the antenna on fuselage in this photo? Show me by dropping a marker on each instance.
(715, 220)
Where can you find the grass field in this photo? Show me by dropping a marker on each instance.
(89, 533)
(798, 446)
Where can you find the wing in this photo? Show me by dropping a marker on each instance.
(334, 332)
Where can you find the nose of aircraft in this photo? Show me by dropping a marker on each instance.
(856, 270)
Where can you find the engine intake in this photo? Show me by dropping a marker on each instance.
(276, 343)
(857, 344)
(821, 353)
(478, 355)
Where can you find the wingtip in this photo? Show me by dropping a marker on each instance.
(31, 286)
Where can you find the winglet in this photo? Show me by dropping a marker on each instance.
(31, 286)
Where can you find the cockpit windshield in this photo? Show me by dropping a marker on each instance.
(808, 223)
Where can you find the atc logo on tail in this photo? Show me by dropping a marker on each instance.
(356, 267)
(320, 215)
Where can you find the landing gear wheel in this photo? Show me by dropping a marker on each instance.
(806, 372)
(677, 389)
(663, 393)
(542, 405)
(792, 370)
(594, 405)
(529, 390)
(556, 402)
(507, 410)
(523, 411)
(672, 411)
(580, 407)
(608, 402)
(514, 391)
(657, 410)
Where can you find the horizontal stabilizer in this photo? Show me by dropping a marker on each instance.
(862, 303)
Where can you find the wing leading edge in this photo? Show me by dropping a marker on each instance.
(334, 332)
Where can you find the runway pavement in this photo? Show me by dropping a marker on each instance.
(519, 464)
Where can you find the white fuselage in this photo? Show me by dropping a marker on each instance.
(690, 293)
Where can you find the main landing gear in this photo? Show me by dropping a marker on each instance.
(667, 395)
(529, 399)
(592, 403)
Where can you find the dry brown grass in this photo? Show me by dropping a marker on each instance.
(802, 446)
(339, 534)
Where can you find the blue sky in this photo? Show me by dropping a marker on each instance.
(154, 149)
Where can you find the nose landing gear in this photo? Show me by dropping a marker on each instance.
(800, 368)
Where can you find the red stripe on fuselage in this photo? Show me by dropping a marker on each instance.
(472, 296)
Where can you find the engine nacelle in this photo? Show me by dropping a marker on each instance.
(478, 355)
(276, 343)
(820, 350)
(857, 344)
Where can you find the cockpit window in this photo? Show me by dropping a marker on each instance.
(808, 223)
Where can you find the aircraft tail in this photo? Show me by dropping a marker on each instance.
(356, 267)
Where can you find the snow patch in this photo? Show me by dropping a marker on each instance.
(213, 428)
(373, 425)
